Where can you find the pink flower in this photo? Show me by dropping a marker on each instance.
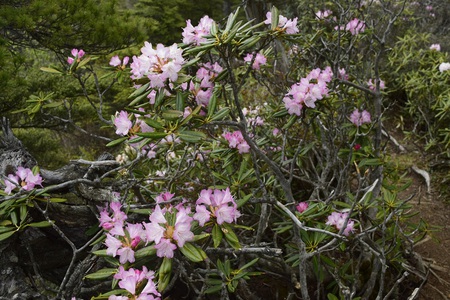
(260, 59)
(132, 281)
(311, 88)
(202, 214)
(302, 206)
(218, 204)
(236, 141)
(114, 224)
(435, 47)
(11, 183)
(158, 65)
(342, 74)
(24, 179)
(196, 35)
(165, 248)
(116, 62)
(164, 197)
(122, 123)
(120, 241)
(168, 235)
(286, 25)
(338, 220)
(372, 85)
(113, 244)
(276, 132)
(359, 118)
(202, 85)
(355, 26)
(323, 14)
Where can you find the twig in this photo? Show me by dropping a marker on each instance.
(425, 176)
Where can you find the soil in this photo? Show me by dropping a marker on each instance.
(433, 207)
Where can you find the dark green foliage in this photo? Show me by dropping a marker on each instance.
(165, 19)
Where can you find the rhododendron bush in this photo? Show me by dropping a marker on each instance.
(251, 152)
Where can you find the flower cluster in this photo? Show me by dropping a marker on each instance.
(24, 179)
(259, 60)
(121, 238)
(158, 65)
(338, 219)
(203, 86)
(77, 55)
(284, 24)
(138, 283)
(218, 204)
(196, 35)
(306, 92)
(236, 141)
(359, 118)
(169, 228)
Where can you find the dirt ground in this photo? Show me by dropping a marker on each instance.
(433, 207)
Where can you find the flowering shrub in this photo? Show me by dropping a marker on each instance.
(219, 184)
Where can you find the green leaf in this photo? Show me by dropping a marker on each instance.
(139, 98)
(101, 274)
(6, 229)
(243, 200)
(153, 135)
(281, 113)
(230, 236)
(179, 102)
(275, 18)
(332, 297)
(14, 218)
(214, 289)
(217, 235)
(52, 105)
(230, 22)
(116, 142)
(291, 121)
(172, 114)
(50, 70)
(191, 62)
(84, 62)
(39, 224)
(191, 136)
(6, 235)
(153, 123)
(212, 105)
(193, 253)
(165, 270)
(101, 252)
(198, 237)
(57, 200)
(221, 114)
(146, 251)
(23, 213)
(139, 91)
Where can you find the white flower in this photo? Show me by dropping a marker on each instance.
(444, 67)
